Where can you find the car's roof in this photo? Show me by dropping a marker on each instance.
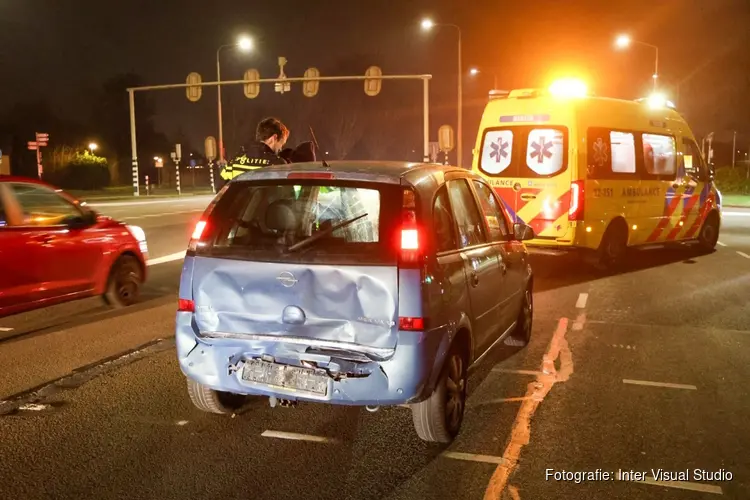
(27, 180)
(394, 170)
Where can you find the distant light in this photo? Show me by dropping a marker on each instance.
(654, 76)
(568, 87)
(326, 152)
(427, 24)
(93, 146)
(588, 229)
(245, 43)
(635, 226)
(622, 41)
(474, 71)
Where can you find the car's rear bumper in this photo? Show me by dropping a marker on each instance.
(404, 377)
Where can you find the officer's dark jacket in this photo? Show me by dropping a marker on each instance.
(255, 156)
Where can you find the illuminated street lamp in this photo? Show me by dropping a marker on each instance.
(92, 147)
(476, 71)
(427, 25)
(245, 44)
(624, 41)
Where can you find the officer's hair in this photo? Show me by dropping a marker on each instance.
(268, 127)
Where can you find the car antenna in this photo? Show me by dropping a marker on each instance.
(317, 148)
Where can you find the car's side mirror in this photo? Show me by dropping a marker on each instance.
(522, 232)
(86, 219)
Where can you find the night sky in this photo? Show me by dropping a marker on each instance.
(63, 50)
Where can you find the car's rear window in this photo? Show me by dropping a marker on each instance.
(524, 151)
(281, 221)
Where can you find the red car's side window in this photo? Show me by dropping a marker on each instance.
(41, 206)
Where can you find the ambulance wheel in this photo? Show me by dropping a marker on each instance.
(613, 248)
(709, 234)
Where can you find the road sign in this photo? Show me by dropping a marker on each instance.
(252, 89)
(282, 87)
(159, 163)
(210, 148)
(178, 151)
(310, 89)
(373, 82)
(42, 136)
(33, 145)
(194, 93)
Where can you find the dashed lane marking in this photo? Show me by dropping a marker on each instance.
(682, 485)
(472, 457)
(743, 254)
(166, 258)
(736, 214)
(721, 244)
(297, 437)
(582, 299)
(660, 384)
(5, 329)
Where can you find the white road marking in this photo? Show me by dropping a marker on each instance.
(736, 214)
(5, 329)
(579, 322)
(517, 372)
(582, 299)
(660, 384)
(471, 457)
(297, 437)
(682, 485)
(162, 215)
(34, 407)
(167, 258)
(743, 254)
(721, 244)
(182, 422)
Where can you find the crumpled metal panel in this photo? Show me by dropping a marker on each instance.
(345, 303)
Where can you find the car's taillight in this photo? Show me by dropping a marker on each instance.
(198, 232)
(411, 324)
(409, 237)
(185, 305)
(576, 201)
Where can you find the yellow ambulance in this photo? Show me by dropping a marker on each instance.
(596, 173)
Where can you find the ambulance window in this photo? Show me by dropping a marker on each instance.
(611, 154)
(496, 151)
(693, 160)
(545, 151)
(659, 155)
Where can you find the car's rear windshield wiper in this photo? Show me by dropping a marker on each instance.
(315, 237)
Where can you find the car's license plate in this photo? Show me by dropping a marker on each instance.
(285, 377)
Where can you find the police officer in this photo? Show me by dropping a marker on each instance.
(270, 137)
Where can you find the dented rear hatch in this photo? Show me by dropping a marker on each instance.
(303, 259)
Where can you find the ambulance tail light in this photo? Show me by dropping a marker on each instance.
(409, 237)
(575, 213)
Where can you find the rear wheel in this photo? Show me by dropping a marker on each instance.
(211, 401)
(125, 279)
(438, 419)
(613, 248)
(521, 334)
(709, 235)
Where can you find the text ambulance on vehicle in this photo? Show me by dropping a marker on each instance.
(597, 174)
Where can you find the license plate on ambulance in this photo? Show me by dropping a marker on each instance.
(285, 377)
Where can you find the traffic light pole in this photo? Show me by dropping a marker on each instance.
(131, 94)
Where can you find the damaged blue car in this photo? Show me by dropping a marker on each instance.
(354, 283)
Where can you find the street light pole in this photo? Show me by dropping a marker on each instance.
(427, 24)
(624, 41)
(245, 44)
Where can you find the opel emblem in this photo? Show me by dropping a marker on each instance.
(287, 279)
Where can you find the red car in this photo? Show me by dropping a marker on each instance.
(54, 249)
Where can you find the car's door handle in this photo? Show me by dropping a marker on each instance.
(474, 279)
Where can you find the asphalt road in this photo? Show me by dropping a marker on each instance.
(644, 370)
